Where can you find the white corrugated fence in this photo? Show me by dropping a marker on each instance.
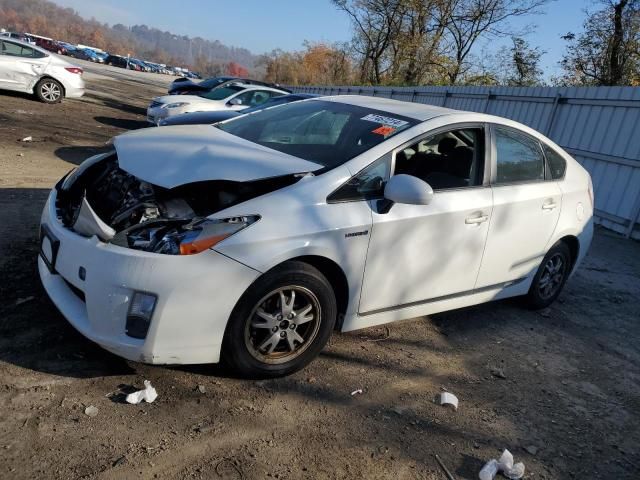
(599, 126)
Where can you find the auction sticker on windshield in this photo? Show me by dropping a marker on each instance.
(391, 122)
(384, 130)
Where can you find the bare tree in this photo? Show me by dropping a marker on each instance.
(376, 22)
(607, 52)
(419, 42)
(469, 20)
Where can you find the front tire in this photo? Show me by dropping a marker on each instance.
(550, 277)
(49, 90)
(281, 323)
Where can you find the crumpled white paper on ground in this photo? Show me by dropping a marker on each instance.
(505, 465)
(149, 394)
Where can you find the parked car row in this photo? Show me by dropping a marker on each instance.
(92, 54)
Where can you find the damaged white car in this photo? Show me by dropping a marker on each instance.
(252, 240)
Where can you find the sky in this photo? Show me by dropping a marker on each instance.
(261, 25)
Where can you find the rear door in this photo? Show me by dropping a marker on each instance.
(20, 66)
(526, 208)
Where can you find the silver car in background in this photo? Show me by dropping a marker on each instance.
(30, 69)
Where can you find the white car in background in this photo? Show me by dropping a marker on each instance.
(251, 240)
(230, 97)
(30, 69)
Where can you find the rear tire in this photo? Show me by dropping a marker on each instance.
(49, 90)
(550, 277)
(281, 322)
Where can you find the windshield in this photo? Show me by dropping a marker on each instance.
(329, 133)
(222, 93)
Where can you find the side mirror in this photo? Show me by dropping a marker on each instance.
(408, 189)
(235, 101)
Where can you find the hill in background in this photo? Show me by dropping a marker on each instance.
(45, 18)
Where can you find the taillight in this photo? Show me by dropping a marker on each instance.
(74, 70)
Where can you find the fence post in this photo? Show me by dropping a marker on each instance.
(444, 100)
(633, 218)
(486, 102)
(413, 96)
(552, 115)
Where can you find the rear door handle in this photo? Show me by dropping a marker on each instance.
(474, 220)
(549, 206)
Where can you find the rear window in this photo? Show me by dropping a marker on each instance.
(557, 164)
(329, 133)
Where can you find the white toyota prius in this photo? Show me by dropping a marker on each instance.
(252, 240)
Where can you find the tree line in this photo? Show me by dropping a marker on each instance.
(436, 42)
(45, 18)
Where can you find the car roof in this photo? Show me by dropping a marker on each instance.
(418, 111)
(246, 87)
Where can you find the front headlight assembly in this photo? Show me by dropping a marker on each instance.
(175, 105)
(187, 238)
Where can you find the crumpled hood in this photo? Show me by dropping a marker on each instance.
(173, 156)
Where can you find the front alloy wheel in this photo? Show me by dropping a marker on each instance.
(281, 323)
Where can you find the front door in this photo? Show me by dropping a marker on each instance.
(420, 253)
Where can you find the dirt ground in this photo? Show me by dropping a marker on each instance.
(559, 388)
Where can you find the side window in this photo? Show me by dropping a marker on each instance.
(245, 98)
(452, 159)
(557, 165)
(367, 184)
(16, 50)
(519, 157)
(259, 97)
(13, 49)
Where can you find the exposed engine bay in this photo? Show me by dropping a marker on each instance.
(102, 199)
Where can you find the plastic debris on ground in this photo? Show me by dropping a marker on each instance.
(504, 465)
(27, 139)
(149, 394)
(447, 399)
(356, 392)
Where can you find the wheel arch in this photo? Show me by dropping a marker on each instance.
(336, 277)
(573, 243)
(45, 77)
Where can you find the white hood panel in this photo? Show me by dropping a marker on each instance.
(174, 156)
(183, 99)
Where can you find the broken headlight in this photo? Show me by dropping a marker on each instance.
(187, 239)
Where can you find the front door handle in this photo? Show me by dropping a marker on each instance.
(475, 220)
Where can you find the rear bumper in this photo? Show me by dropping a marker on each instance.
(195, 295)
(74, 92)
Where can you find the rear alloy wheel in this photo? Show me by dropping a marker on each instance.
(49, 90)
(551, 277)
(281, 323)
